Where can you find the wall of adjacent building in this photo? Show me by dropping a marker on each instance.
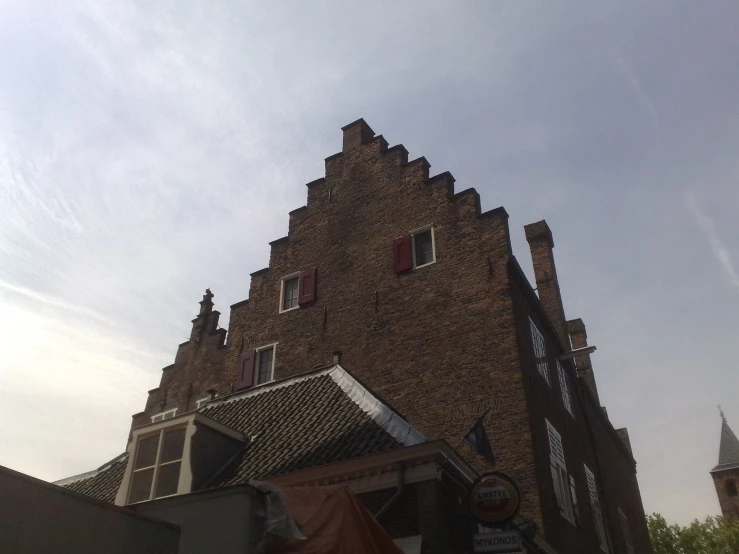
(39, 517)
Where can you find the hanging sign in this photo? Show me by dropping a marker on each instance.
(494, 498)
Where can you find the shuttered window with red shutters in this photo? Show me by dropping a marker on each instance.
(307, 290)
(402, 254)
(245, 373)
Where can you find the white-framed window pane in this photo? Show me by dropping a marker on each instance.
(141, 485)
(540, 352)
(266, 357)
(564, 384)
(290, 293)
(173, 445)
(168, 478)
(423, 245)
(146, 451)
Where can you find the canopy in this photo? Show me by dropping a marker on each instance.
(333, 522)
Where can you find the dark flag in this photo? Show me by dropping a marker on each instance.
(477, 438)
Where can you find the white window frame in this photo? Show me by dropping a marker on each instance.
(162, 416)
(540, 352)
(564, 384)
(598, 522)
(158, 464)
(560, 477)
(202, 402)
(189, 421)
(626, 531)
(257, 356)
(413, 245)
(295, 275)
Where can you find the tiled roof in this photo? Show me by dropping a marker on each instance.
(319, 418)
(102, 483)
(728, 456)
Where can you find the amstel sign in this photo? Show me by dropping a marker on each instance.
(494, 498)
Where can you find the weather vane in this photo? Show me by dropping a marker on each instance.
(721, 411)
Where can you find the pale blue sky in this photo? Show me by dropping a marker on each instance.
(151, 149)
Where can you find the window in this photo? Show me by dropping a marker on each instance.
(289, 295)
(414, 250)
(573, 495)
(731, 488)
(265, 364)
(565, 386)
(540, 352)
(164, 415)
(156, 469)
(626, 532)
(561, 480)
(202, 402)
(423, 247)
(600, 529)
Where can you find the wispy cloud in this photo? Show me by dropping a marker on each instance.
(718, 248)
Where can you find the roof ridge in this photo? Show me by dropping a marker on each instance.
(382, 414)
(89, 474)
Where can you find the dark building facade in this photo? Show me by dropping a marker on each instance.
(421, 293)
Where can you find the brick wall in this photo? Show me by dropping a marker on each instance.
(588, 438)
(729, 504)
(442, 343)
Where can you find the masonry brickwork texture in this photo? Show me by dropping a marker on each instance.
(721, 480)
(442, 344)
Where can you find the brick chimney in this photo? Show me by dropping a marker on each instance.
(541, 244)
(579, 339)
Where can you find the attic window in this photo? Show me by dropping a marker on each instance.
(265, 364)
(423, 247)
(414, 250)
(175, 457)
(164, 415)
(289, 296)
(202, 402)
(156, 470)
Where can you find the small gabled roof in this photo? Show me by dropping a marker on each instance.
(316, 418)
(728, 454)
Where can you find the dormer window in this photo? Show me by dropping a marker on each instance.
(175, 456)
(156, 471)
(164, 415)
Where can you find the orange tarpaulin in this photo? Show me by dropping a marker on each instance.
(334, 522)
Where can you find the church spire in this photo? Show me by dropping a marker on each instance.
(729, 448)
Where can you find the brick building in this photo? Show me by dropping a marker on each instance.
(726, 473)
(421, 293)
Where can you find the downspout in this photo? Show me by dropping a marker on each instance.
(398, 492)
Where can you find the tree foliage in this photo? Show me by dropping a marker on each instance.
(715, 535)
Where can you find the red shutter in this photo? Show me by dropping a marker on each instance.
(307, 288)
(402, 253)
(245, 373)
